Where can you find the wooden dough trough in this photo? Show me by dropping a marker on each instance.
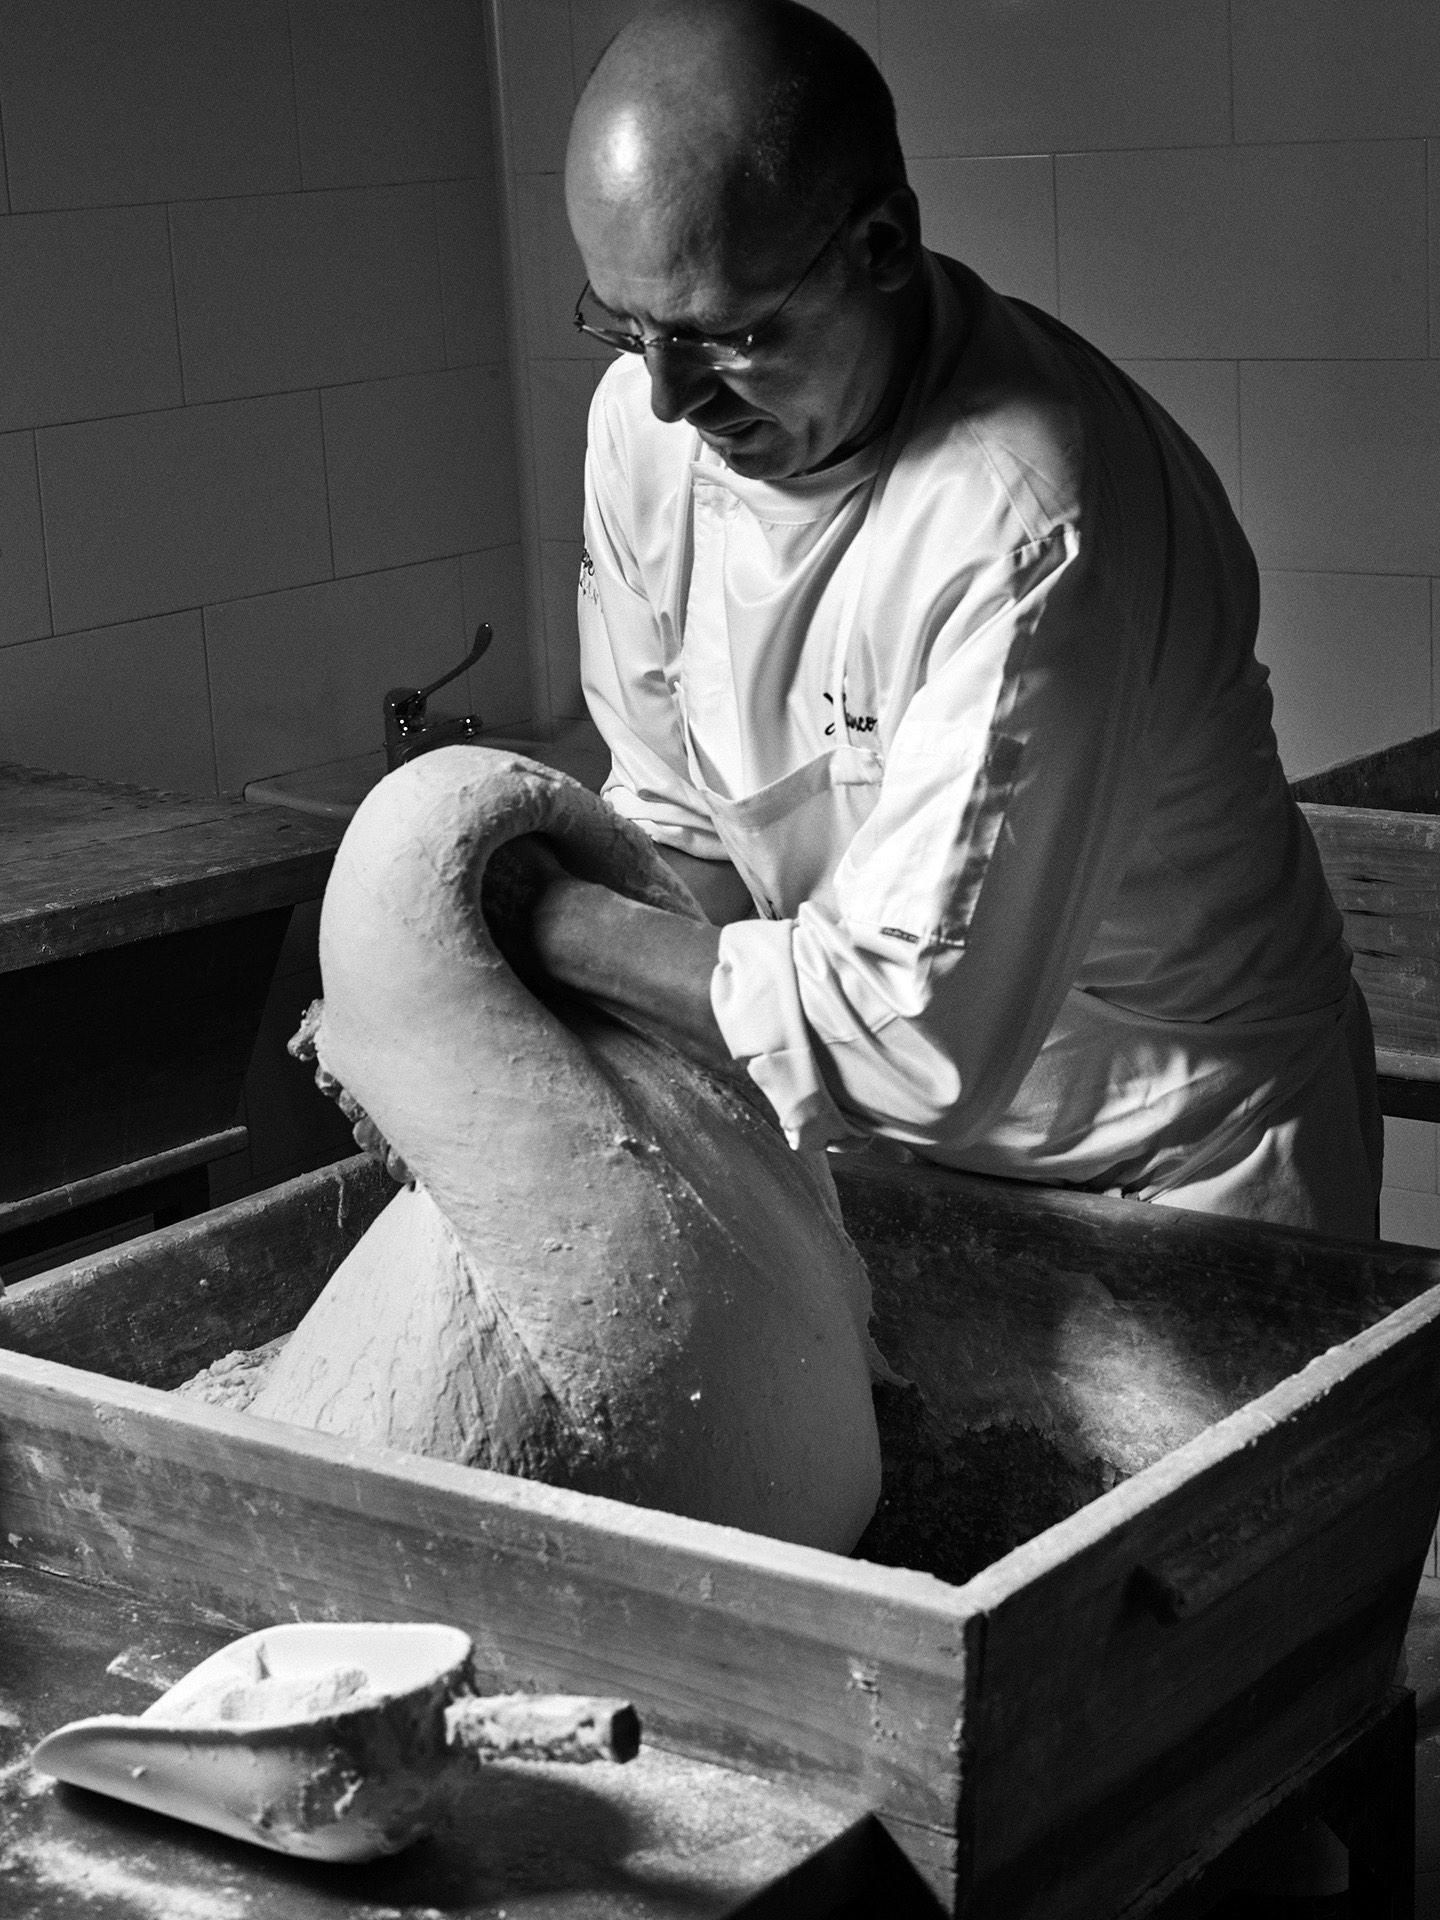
(1128, 1663)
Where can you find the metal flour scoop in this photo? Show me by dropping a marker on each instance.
(327, 1740)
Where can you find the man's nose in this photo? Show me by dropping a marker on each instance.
(679, 382)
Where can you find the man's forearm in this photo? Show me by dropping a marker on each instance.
(637, 959)
(722, 894)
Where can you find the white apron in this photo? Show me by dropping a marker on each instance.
(786, 841)
(786, 838)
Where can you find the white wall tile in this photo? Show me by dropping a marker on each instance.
(472, 275)
(593, 25)
(501, 688)
(87, 316)
(1203, 396)
(125, 703)
(159, 511)
(1411, 1219)
(1410, 1155)
(1336, 69)
(537, 82)
(304, 290)
(108, 102)
(859, 18)
(998, 216)
(560, 574)
(1246, 251)
(1340, 464)
(457, 94)
(299, 678)
(388, 92)
(1057, 74)
(552, 272)
(24, 593)
(420, 467)
(560, 396)
(1349, 657)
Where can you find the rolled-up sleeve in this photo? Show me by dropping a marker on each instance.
(962, 909)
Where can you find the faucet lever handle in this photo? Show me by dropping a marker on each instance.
(483, 637)
(406, 730)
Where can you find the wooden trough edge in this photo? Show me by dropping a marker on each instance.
(1253, 1547)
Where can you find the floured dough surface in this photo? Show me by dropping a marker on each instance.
(234, 1379)
(611, 1272)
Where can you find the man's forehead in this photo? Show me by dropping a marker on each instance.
(681, 260)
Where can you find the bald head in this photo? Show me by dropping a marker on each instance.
(735, 184)
(744, 121)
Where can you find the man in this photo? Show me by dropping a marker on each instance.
(922, 640)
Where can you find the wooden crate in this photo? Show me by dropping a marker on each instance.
(1376, 821)
(1059, 1735)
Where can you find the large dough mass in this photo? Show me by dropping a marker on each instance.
(611, 1272)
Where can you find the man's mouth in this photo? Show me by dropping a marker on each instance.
(730, 431)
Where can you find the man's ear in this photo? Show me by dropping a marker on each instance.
(891, 236)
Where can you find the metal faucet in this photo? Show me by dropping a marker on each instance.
(408, 732)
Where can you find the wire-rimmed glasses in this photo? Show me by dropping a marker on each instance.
(732, 351)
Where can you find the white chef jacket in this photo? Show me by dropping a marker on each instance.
(1052, 912)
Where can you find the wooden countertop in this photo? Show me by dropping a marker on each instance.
(90, 863)
(1404, 778)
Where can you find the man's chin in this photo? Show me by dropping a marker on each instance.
(758, 451)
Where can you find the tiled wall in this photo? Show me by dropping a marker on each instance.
(256, 445)
(1241, 202)
(542, 59)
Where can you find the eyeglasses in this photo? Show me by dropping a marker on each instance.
(730, 350)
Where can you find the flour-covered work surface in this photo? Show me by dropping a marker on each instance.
(657, 1838)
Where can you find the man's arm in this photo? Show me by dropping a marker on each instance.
(722, 894)
(633, 958)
